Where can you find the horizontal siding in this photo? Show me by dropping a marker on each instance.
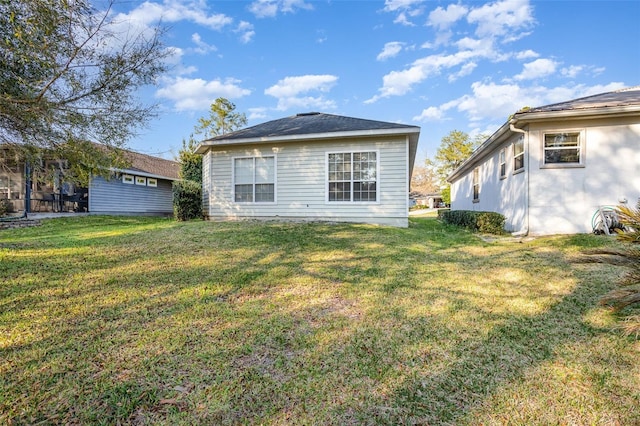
(301, 182)
(114, 197)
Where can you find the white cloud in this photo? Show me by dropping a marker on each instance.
(405, 9)
(430, 114)
(526, 54)
(289, 91)
(465, 70)
(257, 114)
(505, 18)
(201, 46)
(572, 71)
(494, 103)
(398, 83)
(444, 18)
(245, 29)
(197, 94)
(390, 50)
(271, 8)
(537, 69)
(174, 11)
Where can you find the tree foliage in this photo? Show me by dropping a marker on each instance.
(454, 149)
(222, 119)
(424, 179)
(190, 162)
(69, 75)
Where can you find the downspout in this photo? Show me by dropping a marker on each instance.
(525, 134)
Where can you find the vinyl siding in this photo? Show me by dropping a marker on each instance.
(114, 197)
(301, 182)
(560, 200)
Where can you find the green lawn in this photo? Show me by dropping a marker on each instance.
(150, 321)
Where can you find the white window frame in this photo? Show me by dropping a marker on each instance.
(581, 149)
(502, 163)
(519, 141)
(128, 179)
(275, 179)
(152, 182)
(351, 201)
(141, 181)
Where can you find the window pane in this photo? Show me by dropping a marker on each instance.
(244, 193)
(265, 170)
(562, 156)
(340, 191)
(264, 192)
(243, 170)
(562, 148)
(364, 191)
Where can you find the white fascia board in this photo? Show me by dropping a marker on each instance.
(141, 173)
(412, 131)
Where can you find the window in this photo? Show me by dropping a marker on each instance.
(254, 179)
(503, 162)
(518, 154)
(152, 182)
(128, 179)
(352, 176)
(563, 148)
(140, 180)
(476, 184)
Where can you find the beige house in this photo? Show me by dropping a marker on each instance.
(313, 167)
(550, 169)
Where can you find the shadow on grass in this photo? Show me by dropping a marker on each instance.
(276, 323)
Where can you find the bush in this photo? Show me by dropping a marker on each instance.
(5, 207)
(486, 222)
(187, 200)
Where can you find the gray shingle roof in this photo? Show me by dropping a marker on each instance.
(308, 124)
(152, 165)
(618, 98)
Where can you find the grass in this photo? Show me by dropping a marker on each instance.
(149, 321)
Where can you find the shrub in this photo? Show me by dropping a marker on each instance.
(187, 200)
(487, 222)
(5, 207)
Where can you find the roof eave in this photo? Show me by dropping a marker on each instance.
(205, 145)
(521, 119)
(142, 173)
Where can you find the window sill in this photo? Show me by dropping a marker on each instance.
(562, 166)
(476, 201)
(517, 172)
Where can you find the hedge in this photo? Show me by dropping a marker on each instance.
(486, 222)
(187, 200)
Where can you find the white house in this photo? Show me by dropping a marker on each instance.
(549, 169)
(311, 166)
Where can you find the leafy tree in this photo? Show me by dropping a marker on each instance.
(187, 196)
(190, 162)
(69, 74)
(454, 149)
(222, 119)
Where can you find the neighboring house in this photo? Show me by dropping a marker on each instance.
(430, 200)
(144, 188)
(311, 166)
(548, 169)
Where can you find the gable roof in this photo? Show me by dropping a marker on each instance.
(623, 102)
(314, 126)
(148, 165)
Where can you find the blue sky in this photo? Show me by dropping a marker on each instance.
(441, 65)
